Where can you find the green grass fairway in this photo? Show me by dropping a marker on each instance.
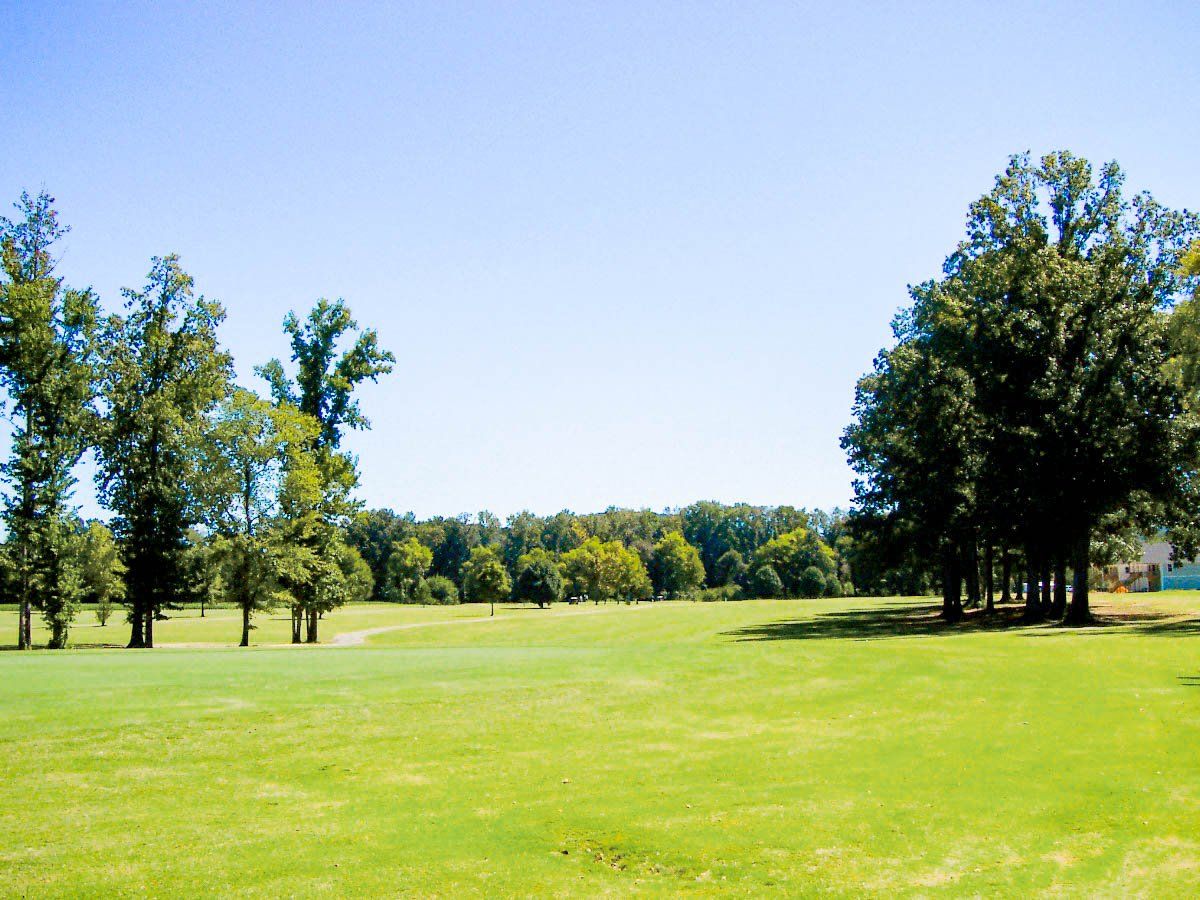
(787, 747)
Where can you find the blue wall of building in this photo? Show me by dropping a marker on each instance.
(1182, 578)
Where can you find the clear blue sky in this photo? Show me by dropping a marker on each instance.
(625, 253)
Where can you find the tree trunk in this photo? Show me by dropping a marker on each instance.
(973, 575)
(989, 568)
(295, 625)
(1046, 598)
(1020, 597)
(1078, 612)
(245, 627)
(25, 626)
(137, 633)
(1059, 609)
(1005, 577)
(58, 636)
(149, 628)
(951, 587)
(311, 637)
(1033, 609)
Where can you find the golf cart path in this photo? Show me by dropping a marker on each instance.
(358, 638)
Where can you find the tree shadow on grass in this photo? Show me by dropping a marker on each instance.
(901, 619)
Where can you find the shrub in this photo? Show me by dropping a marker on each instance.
(833, 587)
(765, 582)
(440, 590)
(812, 582)
(724, 592)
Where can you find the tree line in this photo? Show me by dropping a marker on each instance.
(1038, 408)
(734, 551)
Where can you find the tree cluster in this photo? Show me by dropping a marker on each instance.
(213, 490)
(1032, 406)
(617, 554)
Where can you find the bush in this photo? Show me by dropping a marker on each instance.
(812, 582)
(833, 587)
(765, 582)
(440, 590)
(724, 592)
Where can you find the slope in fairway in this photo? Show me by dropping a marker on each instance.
(744, 748)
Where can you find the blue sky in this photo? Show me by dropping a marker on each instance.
(631, 254)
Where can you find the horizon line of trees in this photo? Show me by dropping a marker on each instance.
(1039, 405)
(733, 550)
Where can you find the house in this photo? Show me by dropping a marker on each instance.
(1177, 575)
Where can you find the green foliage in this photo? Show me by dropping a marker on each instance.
(765, 582)
(406, 568)
(675, 568)
(485, 580)
(811, 583)
(538, 578)
(48, 353)
(723, 593)
(440, 590)
(163, 374)
(731, 568)
(1030, 393)
(325, 382)
(360, 584)
(791, 555)
(373, 533)
(604, 570)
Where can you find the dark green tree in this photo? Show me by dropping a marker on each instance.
(164, 372)
(48, 357)
(538, 578)
(327, 372)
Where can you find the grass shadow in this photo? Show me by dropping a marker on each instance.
(904, 619)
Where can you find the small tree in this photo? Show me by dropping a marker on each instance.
(731, 568)
(675, 567)
(406, 568)
(811, 582)
(440, 590)
(485, 580)
(101, 570)
(765, 582)
(538, 578)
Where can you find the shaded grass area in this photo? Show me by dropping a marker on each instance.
(633, 751)
(1167, 613)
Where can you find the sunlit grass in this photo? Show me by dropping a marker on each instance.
(782, 747)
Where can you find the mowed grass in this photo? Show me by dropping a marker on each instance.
(787, 747)
(224, 626)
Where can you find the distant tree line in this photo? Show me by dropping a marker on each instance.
(1037, 410)
(733, 551)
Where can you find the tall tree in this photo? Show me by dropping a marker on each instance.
(47, 368)
(326, 376)
(164, 373)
